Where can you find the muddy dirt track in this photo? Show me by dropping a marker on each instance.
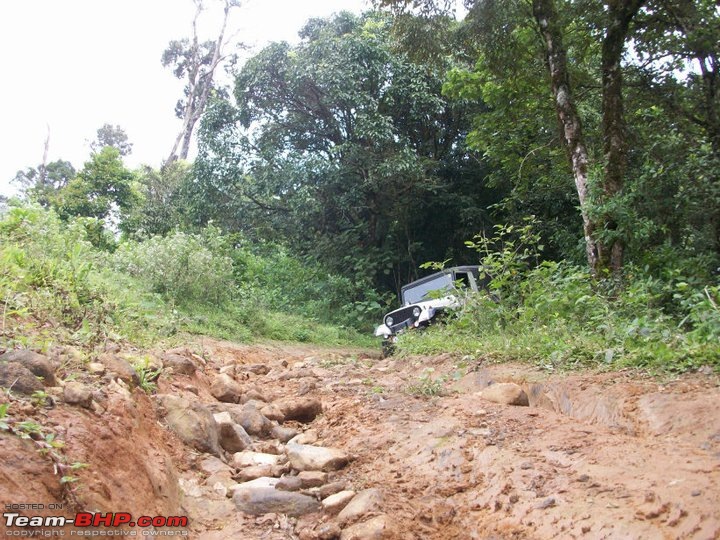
(603, 455)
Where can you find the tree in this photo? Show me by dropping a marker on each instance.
(41, 184)
(339, 145)
(99, 190)
(196, 63)
(115, 136)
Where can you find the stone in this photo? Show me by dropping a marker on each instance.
(38, 364)
(301, 409)
(251, 459)
(269, 447)
(254, 472)
(364, 502)
(311, 479)
(96, 368)
(261, 482)
(212, 465)
(273, 412)
(377, 528)
(18, 378)
(76, 393)
(224, 388)
(120, 367)
(306, 386)
(505, 393)
(328, 531)
(282, 433)
(178, 363)
(257, 369)
(192, 422)
(304, 457)
(254, 394)
(289, 483)
(265, 500)
(308, 437)
(232, 436)
(248, 416)
(334, 503)
(331, 489)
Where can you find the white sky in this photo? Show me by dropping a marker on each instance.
(77, 64)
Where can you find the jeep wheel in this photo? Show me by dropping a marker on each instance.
(388, 348)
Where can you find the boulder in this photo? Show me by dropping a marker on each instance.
(178, 363)
(18, 378)
(248, 416)
(304, 457)
(224, 388)
(232, 436)
(38, 364)
(289, 483)
(300, 409)
(311, 479)
(120, 367)
(363, 503)
(273, 412)
(377, 528)
(334, 503)
(505, 393)
(252, 459)
(192, 422)
(265, 500)
(76, 393)
(331, 489)
(282, 433)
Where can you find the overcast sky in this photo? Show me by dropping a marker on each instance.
(74, 65)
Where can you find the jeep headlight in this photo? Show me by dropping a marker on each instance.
(416, 312)
(389, 321)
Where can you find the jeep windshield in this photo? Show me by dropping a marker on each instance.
(421, 291)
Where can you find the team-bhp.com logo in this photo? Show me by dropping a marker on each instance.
(84, 520)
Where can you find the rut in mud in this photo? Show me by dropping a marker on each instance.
(606, 455)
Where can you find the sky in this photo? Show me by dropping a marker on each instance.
(70, 66)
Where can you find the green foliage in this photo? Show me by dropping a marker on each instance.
(147, 374)
(53, 277)
(427, 386)
(184, 268)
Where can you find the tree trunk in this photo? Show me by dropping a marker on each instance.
(621, 13)
(200, 84)
(571, 126)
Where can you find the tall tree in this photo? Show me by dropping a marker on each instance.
(197, 63)
(42, 184)
(115, 136)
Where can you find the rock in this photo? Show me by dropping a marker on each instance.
(328, 531)
(261, 482)
(334, 503)
(192, 422)
(38, 364)
(178, 363)
(96, 368)
(312, 479)
(264, 500)
(254, 394)
(505, 393)
(306, 386)
(289, 483)
(547, 503)
(269, 447)
(257, 369)
(225, 388)
(273, 412)
(75, 393)
(18, 378)
(378, 528)
(248, 416)
(251, 459)
(308, 437)
(364, 502)
(304, 457)
(232, 436)
(212, 465)
(300, 409)
(120, 367)
(331, 489)
(282, 433)
(254, 472)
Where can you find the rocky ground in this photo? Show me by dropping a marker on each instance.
(294, 442)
